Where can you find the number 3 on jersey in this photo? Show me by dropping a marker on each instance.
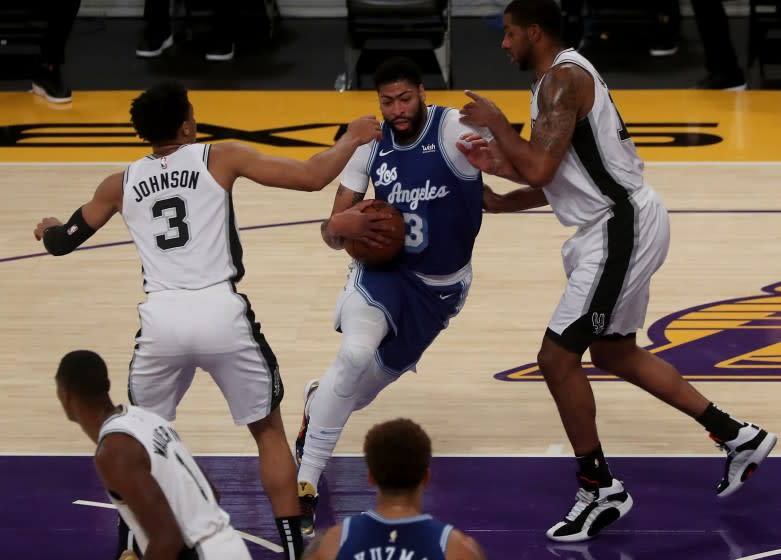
(178, 233)
(416, 239)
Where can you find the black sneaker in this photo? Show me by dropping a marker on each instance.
(744, 455)
(221, 51)
(593, 511)
(735, 82)
(309, 391)
(307, 500)
(152, 47)
(49, 85)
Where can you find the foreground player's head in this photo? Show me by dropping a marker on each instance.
(398, 454)
(82, 381)
(164, 115)
(531, 27)
(399, 85)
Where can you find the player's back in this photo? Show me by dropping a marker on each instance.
(182, 221)
(186, 489)
(370, 537)
(601, 168)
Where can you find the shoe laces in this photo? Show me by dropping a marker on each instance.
(583, 498)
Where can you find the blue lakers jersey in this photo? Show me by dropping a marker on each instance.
(372, 537)
(442, 207)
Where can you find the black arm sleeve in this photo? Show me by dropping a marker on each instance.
(61, 240)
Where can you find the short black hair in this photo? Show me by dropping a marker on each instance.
(545, 13)
(84, 373)
(158, 113)
(398, 454)
(397, 69)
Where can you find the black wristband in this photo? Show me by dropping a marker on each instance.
(61, 240)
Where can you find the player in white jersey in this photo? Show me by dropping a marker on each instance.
(581, 160)
(177, 205)
(149, 474)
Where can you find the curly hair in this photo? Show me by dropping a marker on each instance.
(158, 113)
(398, 454)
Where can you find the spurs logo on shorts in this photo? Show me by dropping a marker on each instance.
(598, 322)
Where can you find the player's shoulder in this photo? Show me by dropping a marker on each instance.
(325, 545)
(460, 545)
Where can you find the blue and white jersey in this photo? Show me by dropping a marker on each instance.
(372, 537)
(438, 191)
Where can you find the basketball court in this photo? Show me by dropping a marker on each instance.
(503, 471)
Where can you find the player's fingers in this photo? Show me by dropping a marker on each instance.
(362, 205)
(472, 95)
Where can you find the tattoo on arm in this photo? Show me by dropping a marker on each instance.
(557, 105)
(314, 546)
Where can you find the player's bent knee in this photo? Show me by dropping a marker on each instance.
(353, 362)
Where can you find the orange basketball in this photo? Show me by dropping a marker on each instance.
(361, 252)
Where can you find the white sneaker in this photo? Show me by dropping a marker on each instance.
(593, 511)
(744, 455)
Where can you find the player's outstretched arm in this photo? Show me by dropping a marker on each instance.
(61, 239)
(123, 466)
(558, 102)
(241, 160)
(485, 155)
(514, 201)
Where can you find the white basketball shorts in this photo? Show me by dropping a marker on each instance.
(213, 329)
(609, 265)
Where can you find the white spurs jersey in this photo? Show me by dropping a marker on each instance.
(185, 487)
(601, 167)
(181, 221)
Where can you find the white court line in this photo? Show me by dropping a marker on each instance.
(647, 163)
(94, 504)
(246, 536)
(767, 554)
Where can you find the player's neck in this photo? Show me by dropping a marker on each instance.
(396, 507)
(160, 150)
(94, 419)
(546, 59)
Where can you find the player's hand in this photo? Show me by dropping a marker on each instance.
(369, 228)
(365, 129)
(492, 202)
(481, 111)
(477, 152)
(43, 225)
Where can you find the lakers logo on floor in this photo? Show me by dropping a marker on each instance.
(737, 339)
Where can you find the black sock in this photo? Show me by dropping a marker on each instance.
(593, 470)
(723, 426)
(290, 532)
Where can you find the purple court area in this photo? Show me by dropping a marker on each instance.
(506, 503)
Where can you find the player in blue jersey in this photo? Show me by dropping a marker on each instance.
(388, 316)
(398, 454)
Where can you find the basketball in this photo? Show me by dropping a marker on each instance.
(361, 252)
